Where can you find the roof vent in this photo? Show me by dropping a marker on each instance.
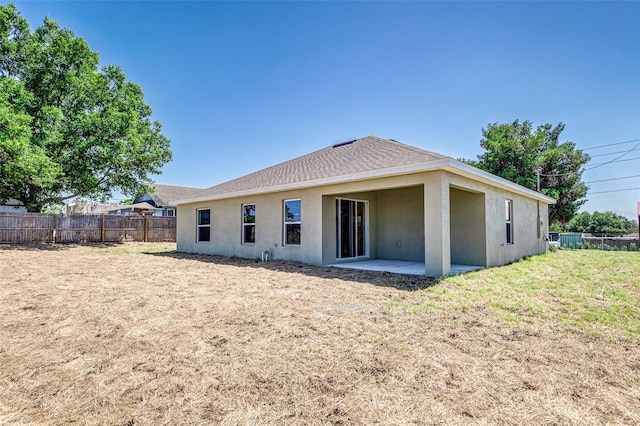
(343, 143)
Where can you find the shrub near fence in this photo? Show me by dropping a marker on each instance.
(619, 243)
(35, 227)
(578, 241)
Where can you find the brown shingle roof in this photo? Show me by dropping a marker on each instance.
(364, 158)
(163, 194)
(361, 155)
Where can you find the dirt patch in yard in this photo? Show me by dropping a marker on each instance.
(134, 335)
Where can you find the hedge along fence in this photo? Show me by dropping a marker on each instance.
(51, 228)
(608, 243)
(578, 241)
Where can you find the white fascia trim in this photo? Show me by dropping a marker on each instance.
(448, 164)
(463, 169)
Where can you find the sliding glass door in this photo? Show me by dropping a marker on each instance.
(351, 229)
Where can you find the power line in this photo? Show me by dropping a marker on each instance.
(614, 190)
(612, 161)
(559, 174)
(618, 178)
(611, 144)
(611, 153)
(616, 159)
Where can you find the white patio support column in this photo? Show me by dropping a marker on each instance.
(437, 244)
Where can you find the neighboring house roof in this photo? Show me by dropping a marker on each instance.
(13, 203)
(361, 159)
(12, 206)
(142, 206)
(163, 194)
(88, 207)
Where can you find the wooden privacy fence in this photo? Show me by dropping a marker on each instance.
(51, 228)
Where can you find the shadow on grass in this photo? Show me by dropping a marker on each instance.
(382, 279)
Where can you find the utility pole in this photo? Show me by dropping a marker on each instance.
(538, 170)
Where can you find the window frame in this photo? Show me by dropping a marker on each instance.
(508, 210)
(248, 224)
(172, 210)
(286, 222)
(199, 226)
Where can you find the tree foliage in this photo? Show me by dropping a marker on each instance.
(515, 151)
(607, 223)
(69, 127)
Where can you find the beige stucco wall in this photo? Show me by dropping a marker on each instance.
(437, 245)
(226, 227)
(415, 209)
(467, 227)
(525, 224)
(318, 208)
(527, 241)
(329, 230)
(401, 224)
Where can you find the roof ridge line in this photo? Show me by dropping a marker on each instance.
(413, 148)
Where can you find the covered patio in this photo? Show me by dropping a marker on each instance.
(428, 228)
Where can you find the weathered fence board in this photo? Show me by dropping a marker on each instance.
(35, 227)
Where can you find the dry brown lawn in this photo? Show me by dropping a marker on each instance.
(113, 335)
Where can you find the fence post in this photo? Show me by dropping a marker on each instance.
(102, 229)
(53, 228)
(146, 228)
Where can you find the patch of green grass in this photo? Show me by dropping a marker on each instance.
(381, 337)
(594, 292)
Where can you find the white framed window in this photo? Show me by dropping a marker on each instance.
(203, 225)
(171, 212)
(292, 222)
(508, 212)
(248, 224)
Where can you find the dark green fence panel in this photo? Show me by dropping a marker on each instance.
(570, 240)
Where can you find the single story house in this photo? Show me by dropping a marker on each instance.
(141, 209)
(12, 206)
(369, 198)
(160, 196)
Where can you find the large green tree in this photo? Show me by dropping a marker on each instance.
(68, 127)
(607, 223)
(517, 152)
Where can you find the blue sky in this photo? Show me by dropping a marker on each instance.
(240, 86)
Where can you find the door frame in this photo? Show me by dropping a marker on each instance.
(339, 231)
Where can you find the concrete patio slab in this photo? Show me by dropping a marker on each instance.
(399, 266)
